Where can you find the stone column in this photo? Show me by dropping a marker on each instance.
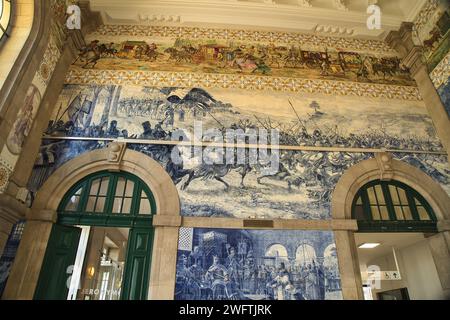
(440, 250)
(164, 263)
(27, 265)
(164, 257)
(413, 58)
(348, 265)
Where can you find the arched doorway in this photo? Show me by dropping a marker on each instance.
(100, 248)
(397, 238)
(24, 276)
(392, 221)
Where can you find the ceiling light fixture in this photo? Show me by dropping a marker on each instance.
(368, 245)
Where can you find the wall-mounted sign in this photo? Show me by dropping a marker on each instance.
(384, 275)
(390, 275)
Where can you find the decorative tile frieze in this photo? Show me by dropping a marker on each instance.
(180, 79)
(4, 177)
(424, 15)
(48, 64)
(5, 173)
(441, 73)
(288, 38)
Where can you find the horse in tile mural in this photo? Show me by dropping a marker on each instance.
(302, 184)
(242, 58)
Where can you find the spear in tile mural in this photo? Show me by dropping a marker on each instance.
(298, 117)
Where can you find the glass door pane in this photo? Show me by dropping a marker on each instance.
(104, 263)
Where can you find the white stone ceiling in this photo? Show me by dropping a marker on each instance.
(328, 17)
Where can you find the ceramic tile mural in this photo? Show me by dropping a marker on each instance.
(302, 119)
(302, 191)
(444, 92)
(304, 181)
(9, 253)
(433, 31)
(220, 264)
(346, 98)
(242, 58)
(441, 79)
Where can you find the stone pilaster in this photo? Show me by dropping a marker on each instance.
(348, 265)
(440, 250)
(27, 265)
(413, 58)
(164, 262)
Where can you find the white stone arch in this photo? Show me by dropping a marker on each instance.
(116, 157)
(383, 167)
(43, 214)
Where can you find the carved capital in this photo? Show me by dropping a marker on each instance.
(167, 221)
(414, 60)
(406, 31)
(401, 40)
(76, 40)
(42, 215)
(394, 40)
(90, 20)
(384, 161)
(12, 209)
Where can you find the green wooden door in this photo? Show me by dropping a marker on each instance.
(103, 199)
(137, 266)
(59, 256)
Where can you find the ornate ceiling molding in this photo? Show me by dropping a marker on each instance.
(335, 30)
(280, 15)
